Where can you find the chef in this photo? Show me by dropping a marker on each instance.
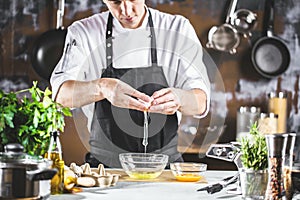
(121, 62)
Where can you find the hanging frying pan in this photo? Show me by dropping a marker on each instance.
(48, 48)
(224, 37)
(270, 56)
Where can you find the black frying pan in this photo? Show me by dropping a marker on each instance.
(48, 48)
(270, 56)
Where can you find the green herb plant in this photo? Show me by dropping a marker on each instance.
(30, 120)
(254, 153)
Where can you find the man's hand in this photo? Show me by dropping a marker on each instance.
(169, 100)
(165, 101)
(123, 95)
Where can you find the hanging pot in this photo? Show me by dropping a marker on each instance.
(20, 174)
(224, 37)
(48, 48)
(244, 21)
(269, 55)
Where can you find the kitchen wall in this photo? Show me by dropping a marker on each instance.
(238, 83)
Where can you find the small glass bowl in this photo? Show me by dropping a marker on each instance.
(188, 171)
(143, 165)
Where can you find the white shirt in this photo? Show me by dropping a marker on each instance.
(179, 51)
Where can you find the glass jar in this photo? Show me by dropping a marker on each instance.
(276, 144)
(267, 123)
(250, 190)
(246, 116)
(277, 103)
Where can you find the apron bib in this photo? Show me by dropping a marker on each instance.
(116, 130)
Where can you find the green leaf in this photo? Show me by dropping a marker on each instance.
(47, 102)
(36, 118)
(67, 112)
(47, 92)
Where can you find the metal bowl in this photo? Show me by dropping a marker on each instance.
(188, 171)
(143, 165)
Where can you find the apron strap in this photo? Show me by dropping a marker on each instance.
(109, 48)
(109, 41)
(153, 41)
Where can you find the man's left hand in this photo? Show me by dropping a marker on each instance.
(166, 101)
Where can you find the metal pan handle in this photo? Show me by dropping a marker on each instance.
(269, 9)
(231, 10)
(60, 14)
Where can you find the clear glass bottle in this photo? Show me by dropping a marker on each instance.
(276, 144)
(54, 153)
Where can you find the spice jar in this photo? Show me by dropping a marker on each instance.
(267, 123)
(276, 144)
(288, 165)
(278, 104)
(245, 117)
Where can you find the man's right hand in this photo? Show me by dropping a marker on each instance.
(123, 95)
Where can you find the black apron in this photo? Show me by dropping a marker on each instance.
(116, 130)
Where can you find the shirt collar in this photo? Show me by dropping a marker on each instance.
(119, 28)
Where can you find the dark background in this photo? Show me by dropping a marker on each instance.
(22, 22)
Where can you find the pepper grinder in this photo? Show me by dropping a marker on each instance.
(276, 144)
(288, 165)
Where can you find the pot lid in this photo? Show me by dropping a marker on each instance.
(14, 156)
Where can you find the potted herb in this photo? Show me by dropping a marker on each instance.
(254, 150)
(30, 120)
(254, 157)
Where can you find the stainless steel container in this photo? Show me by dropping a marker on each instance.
(20, 174)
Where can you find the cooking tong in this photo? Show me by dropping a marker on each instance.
(217, 187)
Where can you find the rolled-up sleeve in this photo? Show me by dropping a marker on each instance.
(195, 73)
(70, 65)
(186, 70)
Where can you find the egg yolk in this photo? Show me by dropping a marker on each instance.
(188, 177)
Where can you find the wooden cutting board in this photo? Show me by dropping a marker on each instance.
(166, 176)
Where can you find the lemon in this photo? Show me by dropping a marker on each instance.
(69, 179)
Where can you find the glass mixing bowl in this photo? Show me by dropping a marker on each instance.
(188, 171)
(143, 165)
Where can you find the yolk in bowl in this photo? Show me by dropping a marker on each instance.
(144, 175)
(188, 177)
